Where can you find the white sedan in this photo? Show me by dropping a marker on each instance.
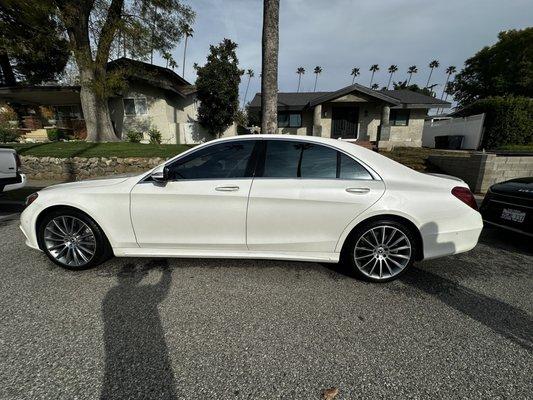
(263, 197)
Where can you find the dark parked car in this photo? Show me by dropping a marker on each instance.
(510, 205)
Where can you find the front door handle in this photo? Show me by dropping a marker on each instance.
(358, 190)
(227, 188)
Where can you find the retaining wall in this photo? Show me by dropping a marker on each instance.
(481, 170)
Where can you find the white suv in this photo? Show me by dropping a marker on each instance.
(10, 177)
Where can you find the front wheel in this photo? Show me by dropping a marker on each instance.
(72, 240)
(380, 251)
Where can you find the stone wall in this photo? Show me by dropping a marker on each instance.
(79, 168)
(482, 170)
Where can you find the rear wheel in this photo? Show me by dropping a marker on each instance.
(380, 251)
(72, 240)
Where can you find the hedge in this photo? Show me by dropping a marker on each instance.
(508, 120)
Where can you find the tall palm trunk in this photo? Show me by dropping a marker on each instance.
(353, 80)
(246, 91)
(372, 78)
(445, 85)
(184, 55)
(316, 78)
(429, 77)
(269, 76)
(390, 78)
(409, 80)
(299, 80)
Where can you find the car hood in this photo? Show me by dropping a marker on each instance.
(520, 187)
(107, 181)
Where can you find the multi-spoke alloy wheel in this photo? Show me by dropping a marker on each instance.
(382, 252)
(70, 241)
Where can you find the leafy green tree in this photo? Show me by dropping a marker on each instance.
(98, 28)
(392, 69)
(375, 86)
(373, 68)
(317, 71)
(300, 71)
(218, 87)
(32, 49)
(355, 73)
(503, 69)
(404, 85)
(411, 70)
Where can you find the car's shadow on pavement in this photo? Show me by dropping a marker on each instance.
(507, 240)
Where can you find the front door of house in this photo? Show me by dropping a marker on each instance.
(344, 122)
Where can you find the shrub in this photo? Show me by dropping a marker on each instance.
(155, 136)
(508, 120)
(7, 114)
(134, 136)
(55, 135)
(8, 133)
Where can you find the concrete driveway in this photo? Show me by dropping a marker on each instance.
(458, 327)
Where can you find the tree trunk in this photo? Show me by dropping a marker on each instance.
(390, 79)
(95, 111)
(409, 80)
(429, 77)
(269, 77)
(184, 55)
(316, 78)
(7, 70)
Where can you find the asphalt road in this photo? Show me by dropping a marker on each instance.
(458, 327)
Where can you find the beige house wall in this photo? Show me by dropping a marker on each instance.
(174, 116)
(368, 123)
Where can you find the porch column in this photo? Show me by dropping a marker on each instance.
(317, 120)
(384, 126)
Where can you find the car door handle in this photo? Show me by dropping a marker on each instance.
(358, 190)
(227, 188)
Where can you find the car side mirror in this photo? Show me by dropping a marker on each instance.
(161, 175)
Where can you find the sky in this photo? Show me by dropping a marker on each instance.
(338, 35)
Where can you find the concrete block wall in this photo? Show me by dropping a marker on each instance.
(482, 170)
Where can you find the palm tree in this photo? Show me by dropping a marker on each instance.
(433, 64)
(411, 70)
(375, 86)
(317, 71)
(187, 31)
(172, 64)
(392, 69)
(373, 68)
(300, 71)
(269, 66)
(449, 71)
(167, 57)
(355, 72)
(250, 74)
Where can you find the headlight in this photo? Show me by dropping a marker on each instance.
(31, 198)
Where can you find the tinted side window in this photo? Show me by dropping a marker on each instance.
(282, 158)
(351, 169)
(318, 162)
(224, 160)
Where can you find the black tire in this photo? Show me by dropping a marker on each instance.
(102, 249)
(388, 256)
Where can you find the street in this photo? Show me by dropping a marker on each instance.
(458, 327)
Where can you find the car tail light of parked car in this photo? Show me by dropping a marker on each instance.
(465, 195)
(31, 198)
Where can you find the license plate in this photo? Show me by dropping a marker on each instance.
(513, 215)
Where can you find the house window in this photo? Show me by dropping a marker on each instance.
(399, 117)
(135, 106)
(289, 120)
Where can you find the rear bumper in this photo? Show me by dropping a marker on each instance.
(493, 208)
(16, 183)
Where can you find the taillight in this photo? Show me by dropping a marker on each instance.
(17, 161)
(31, 198)
(465, 195)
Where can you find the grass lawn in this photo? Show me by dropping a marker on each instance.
(85, 149)
(414, 157)
(517, 147)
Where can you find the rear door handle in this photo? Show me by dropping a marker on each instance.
(227, 188)
(358, 190)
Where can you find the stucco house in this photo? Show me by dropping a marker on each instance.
(154, 97)
(389, 117)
